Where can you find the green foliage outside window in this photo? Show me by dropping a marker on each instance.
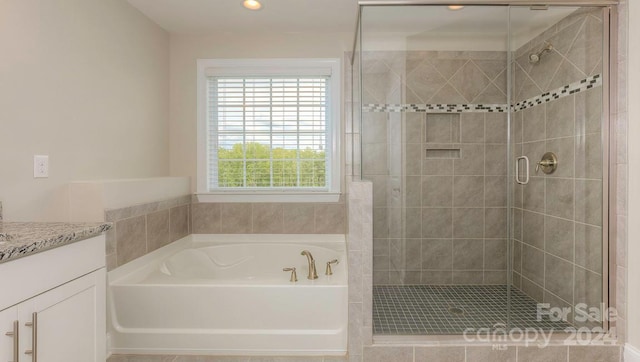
(262, 162)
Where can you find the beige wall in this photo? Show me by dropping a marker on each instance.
(86, 82)
(185, 50)
(633, 289)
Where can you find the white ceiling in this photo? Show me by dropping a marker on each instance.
(477, 27)
(472, 28)
(199, 17)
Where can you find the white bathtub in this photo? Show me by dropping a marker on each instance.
(228, 295)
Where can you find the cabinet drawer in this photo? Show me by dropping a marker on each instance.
(26, 277)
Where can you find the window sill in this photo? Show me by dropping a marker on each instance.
(283, 197)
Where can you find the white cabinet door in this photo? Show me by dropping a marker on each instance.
(67, 323)
(9, 326)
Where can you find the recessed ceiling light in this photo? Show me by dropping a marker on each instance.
(252, 4)
(455, 7)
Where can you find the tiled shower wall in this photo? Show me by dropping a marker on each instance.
(558, 217)
(140, 229)
(439, 180)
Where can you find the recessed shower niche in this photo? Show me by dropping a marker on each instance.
(447, 101)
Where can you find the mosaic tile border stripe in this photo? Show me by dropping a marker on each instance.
(567, 90)
(439, 108)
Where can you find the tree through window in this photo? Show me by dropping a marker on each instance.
(267, 132)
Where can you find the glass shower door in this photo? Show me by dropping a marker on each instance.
(434, 144)
(448, 99)
(557, 125)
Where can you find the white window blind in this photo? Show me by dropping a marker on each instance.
(268, 133)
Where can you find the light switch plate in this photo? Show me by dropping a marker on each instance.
(40, 166)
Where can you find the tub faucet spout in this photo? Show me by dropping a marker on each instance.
(312, 265)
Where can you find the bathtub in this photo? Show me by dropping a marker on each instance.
(228, 295)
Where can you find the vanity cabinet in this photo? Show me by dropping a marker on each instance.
(65, 321)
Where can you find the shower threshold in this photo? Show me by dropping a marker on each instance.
(453, 310)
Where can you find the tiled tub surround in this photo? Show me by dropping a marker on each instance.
(136, 231)
(18, 239)
(558, 217)
(140, 229)
(269, 218)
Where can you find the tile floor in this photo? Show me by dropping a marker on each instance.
(446, 310)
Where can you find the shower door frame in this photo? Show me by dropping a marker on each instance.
(609, 143)
(595, 3)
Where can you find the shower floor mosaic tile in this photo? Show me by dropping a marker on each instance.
(426, 309)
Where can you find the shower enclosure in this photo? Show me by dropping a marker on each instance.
(484, 132)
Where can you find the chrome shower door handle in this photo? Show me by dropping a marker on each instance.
(526, 162)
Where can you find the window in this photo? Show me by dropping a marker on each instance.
(268, 130)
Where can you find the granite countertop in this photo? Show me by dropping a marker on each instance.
(18, 239)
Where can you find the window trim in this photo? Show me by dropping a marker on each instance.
(271, 67)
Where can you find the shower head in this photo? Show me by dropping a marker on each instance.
(535, 57)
